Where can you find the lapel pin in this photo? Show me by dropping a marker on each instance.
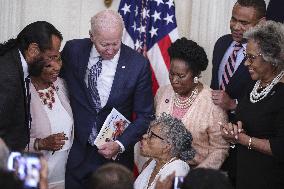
(272, 93)
(123, 67)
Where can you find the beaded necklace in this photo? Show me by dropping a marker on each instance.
(47, 96)
(158, 174)
(256, 96)
(185, 103)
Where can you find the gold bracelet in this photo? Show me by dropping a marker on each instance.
(249, 144)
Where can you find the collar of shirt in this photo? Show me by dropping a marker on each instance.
(95, 55)
(234, 42)
(24, 65)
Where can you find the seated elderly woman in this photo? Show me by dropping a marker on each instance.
(52, 120)
(258, 130)
(190, 100)
(168, 144)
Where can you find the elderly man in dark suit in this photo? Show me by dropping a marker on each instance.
(101, 74)
(34, 42)
(229, 74)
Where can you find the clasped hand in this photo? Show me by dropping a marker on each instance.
(53, 142)
(230, 132)
(109, 149)
(222, 99)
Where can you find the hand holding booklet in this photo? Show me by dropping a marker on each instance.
(113, 127)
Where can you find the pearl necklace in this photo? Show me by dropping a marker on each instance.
(186, 103)
(158, 174)
(256, 96)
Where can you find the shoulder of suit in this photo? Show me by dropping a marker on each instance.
(14, 52)
(10, 59)
(80, 42)
(131, 53)
(227, 37)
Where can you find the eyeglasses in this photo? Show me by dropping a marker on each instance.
(150, 134)
(251, 57)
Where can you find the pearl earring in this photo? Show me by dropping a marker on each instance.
(195, 79)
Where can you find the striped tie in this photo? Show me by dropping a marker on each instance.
(230, 66)
(93, 76)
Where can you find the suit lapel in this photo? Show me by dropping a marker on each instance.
(223, 49)
(120, 77)
(82, 62)
(237, 74)
(17, 58)
(218, 54)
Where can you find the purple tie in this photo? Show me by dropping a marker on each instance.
(230, 66)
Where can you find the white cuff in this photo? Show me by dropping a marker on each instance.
(121, 146)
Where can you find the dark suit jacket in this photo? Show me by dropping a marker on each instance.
(13, 108)
(275, 11)
(130, 92)
(239, 81)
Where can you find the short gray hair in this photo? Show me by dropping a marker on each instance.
(177, 135)
(4, 154)
(105, 20)
(270, 38)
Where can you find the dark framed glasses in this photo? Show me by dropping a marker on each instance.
(150, 134)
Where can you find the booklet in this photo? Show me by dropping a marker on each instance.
(113, 126)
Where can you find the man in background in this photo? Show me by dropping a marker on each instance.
(112, 176)
(34, 42)
(102, 74)
(229, 74)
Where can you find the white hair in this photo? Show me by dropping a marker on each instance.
(106, 20)
(270, 39)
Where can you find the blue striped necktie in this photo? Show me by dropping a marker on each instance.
(93, 76)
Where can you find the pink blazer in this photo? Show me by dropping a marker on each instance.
(201, 119)
(40, 127)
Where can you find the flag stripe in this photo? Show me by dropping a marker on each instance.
(164, 44)
(157, 62)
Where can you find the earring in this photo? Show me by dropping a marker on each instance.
(195, 79)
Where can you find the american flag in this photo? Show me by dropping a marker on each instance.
(150, 29)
